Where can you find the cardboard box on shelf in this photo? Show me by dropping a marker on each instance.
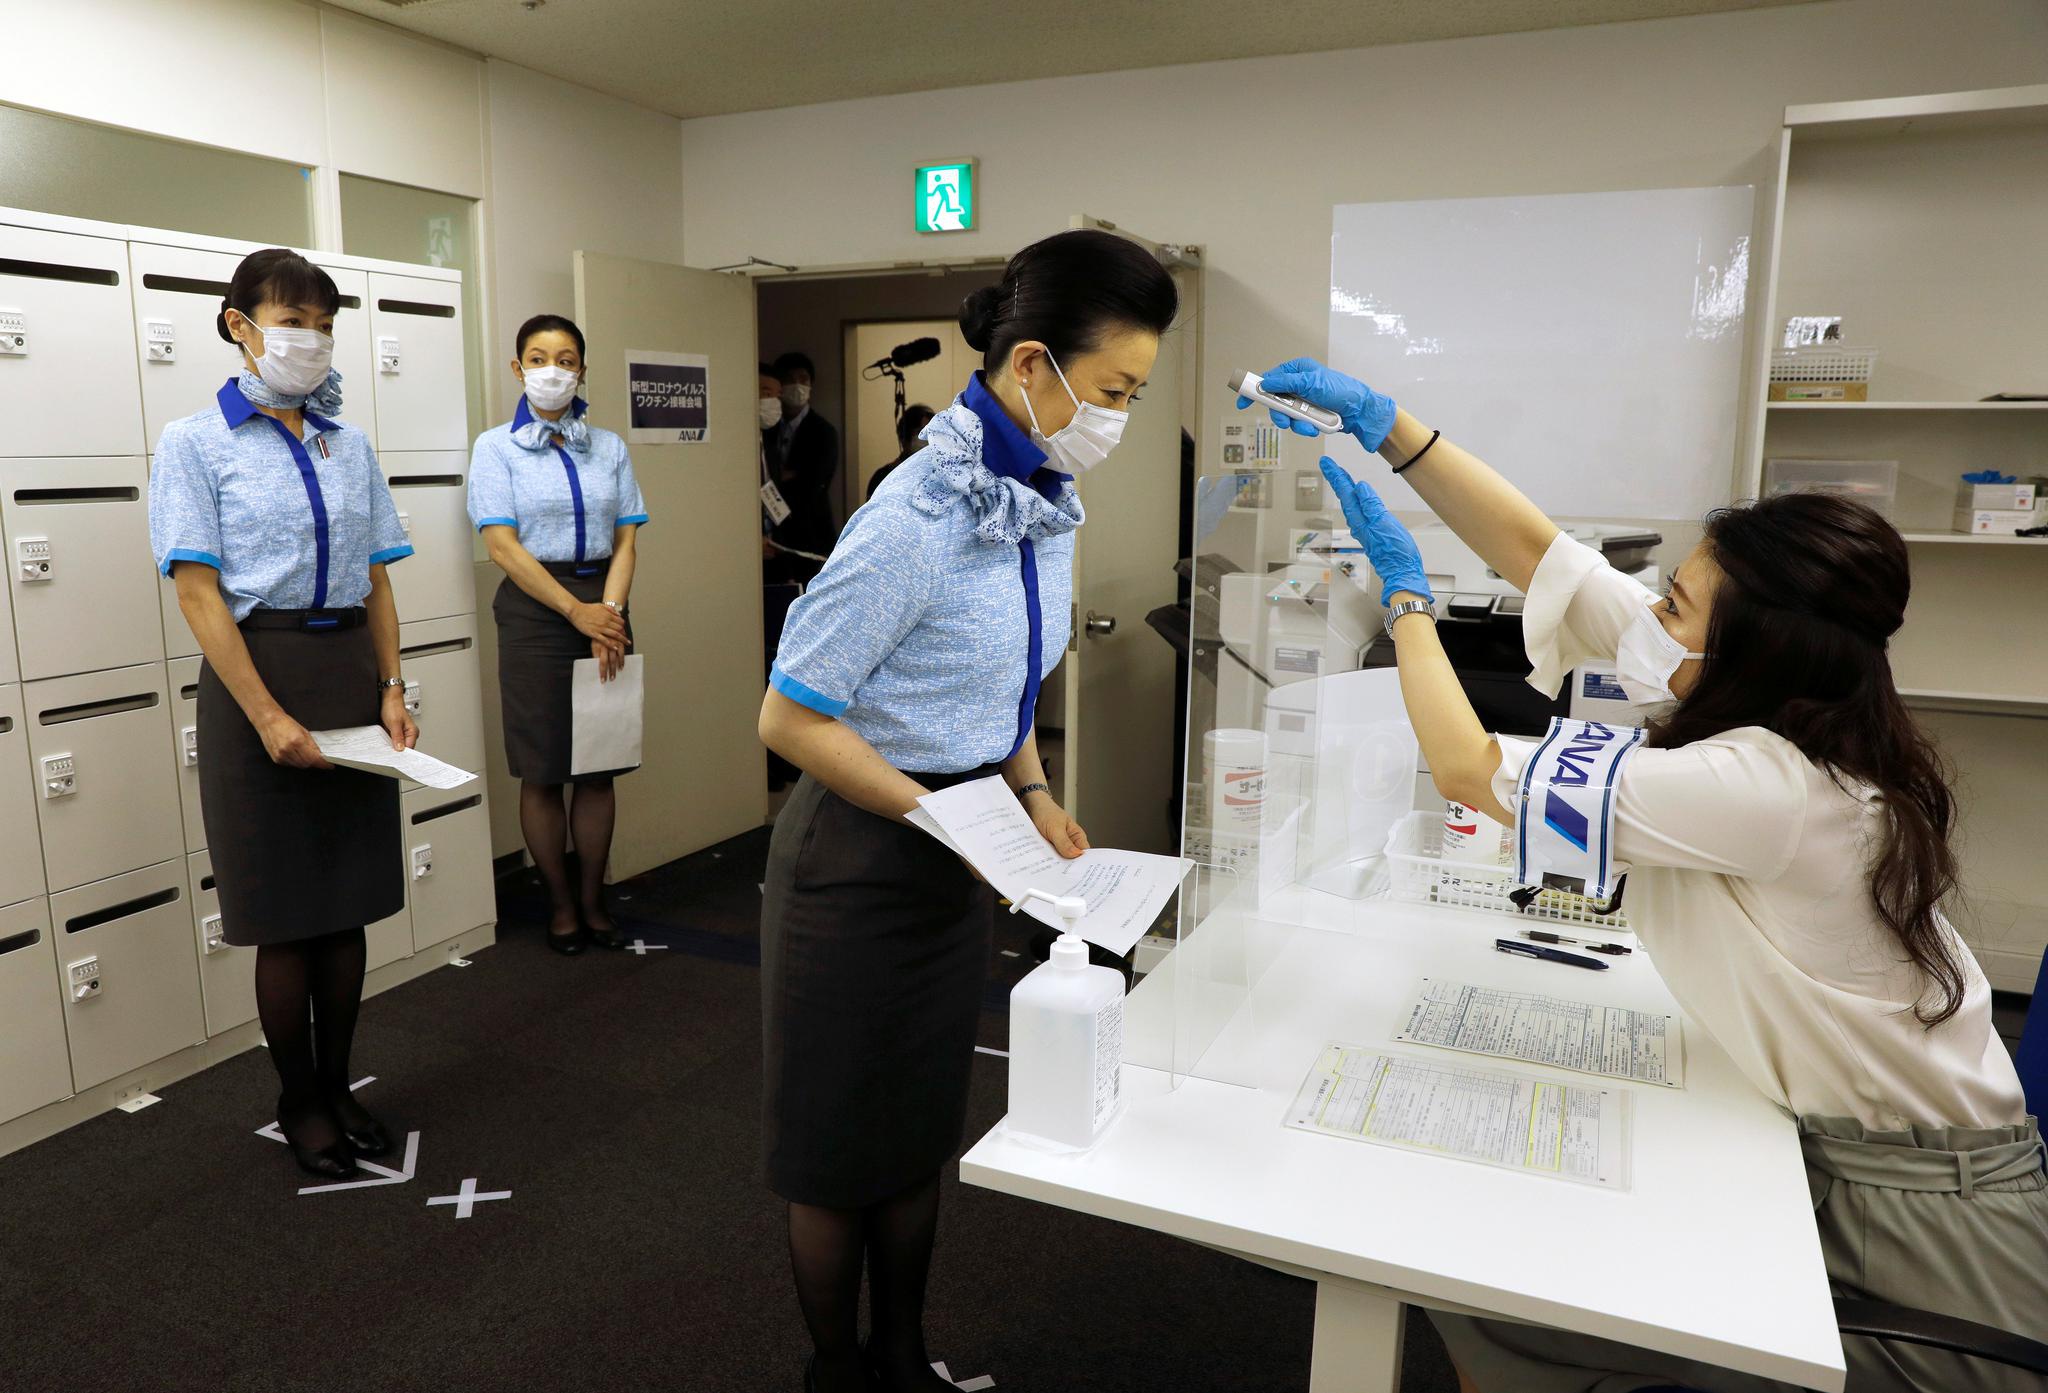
(1819, 391)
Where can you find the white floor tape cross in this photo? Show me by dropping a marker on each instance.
(466, 1199)
(972, 1385)
(640, 948)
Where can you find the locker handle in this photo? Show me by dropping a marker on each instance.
(58, 271)
(33, 497)
(421, 481)
(351, 302)
(190, 693)
(21, 940)
(185, 285)
(206, 881)
(6, 724)
(448, 809)
(416, 307)
(122, 910)
(85, 711)
(434, 650)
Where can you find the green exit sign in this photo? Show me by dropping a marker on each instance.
(945, 197)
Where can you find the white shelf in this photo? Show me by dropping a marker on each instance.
(1906, 405)
(1994, 539)
(1933, 111)
(1975, 703)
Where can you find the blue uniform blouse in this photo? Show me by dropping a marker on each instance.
(946, 600)
(288, 523)
(566, 500)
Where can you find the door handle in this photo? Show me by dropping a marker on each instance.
(1101, 625)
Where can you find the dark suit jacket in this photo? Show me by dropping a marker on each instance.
(805, 476)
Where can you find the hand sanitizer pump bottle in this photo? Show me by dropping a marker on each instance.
(1066, 1047)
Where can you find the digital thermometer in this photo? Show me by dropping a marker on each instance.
(1248, 384)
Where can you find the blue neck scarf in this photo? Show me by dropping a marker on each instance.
(531, 432)
(326, 401)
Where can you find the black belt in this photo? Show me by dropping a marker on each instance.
(577, 570)
(312, 621)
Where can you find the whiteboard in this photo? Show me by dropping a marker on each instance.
(1587, 346)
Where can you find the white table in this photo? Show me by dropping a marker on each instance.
(1711, 1254)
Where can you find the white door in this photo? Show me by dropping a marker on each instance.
(697, 592)
(1120, 760)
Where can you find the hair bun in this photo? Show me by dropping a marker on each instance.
(978, 314)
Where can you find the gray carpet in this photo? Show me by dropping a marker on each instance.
(616, 1097)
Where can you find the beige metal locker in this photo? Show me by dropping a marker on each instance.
(129, 971)
(10, 666)
(184, 688)
(443, 688)
(107, 791)
(388, 940)
(227, 975)
(439, 578)
(79, 565)
(352, 356)
(416, 344)
(38, 1069)
(64, 320)
(178, 350)
(21, 850)
(448, 857)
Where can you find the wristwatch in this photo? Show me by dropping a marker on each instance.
(614, 606)
(1401, 607)
(386, 683)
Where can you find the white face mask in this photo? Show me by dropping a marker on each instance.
(1083, 442)
(295, 362)
(796, 396)
(771, 412)
(1646, 658)
(550, 388)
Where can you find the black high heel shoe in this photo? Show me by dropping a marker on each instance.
(568, 944)
(335, 1161)
(606, 938)
(366, 1135)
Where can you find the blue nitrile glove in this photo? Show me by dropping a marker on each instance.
(1388, 545)
(1368, 416)
(1975, 476)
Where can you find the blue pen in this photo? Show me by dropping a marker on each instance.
(1555, 955)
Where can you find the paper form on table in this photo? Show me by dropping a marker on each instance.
(982, 822)
(1497, 1118)
(368, 748)
(1612, 1041)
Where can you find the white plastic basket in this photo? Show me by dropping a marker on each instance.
(1822, 363)
(1420, 874)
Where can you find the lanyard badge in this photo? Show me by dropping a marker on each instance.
(1564, 818)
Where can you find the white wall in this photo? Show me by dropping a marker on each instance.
(1246, 158)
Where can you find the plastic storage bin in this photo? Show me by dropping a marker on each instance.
(1420, 874)
(1871, 481)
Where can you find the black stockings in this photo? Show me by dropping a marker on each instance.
(308, 994)
(592, 811)
(826, 1251)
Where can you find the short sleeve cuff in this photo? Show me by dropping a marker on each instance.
(204, 558)
(782, 682)
(482, 523)
(389, 555)
(635, 520)
(1515, 754)
(1559, 575)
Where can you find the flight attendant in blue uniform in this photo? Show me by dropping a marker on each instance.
(560, 511)
(274, 521)
(913, 663)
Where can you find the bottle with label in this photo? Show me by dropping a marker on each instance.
(1066, 1047)
(1474, 838)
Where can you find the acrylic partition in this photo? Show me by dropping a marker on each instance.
(1299, 761)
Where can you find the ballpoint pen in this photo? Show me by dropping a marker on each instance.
(1615, 950)
(1555, 955)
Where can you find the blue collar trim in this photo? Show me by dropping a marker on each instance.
(236, 408)
(524, 416)
(1006, 451)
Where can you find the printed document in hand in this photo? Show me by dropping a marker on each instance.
(1490, 1116)
(984, 824)
(368, 748)
(1645, 1046)
(604, 717)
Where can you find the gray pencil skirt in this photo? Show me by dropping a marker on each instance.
(537, 653)
(298, 852)
(874, 957)
(1952, 1220)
